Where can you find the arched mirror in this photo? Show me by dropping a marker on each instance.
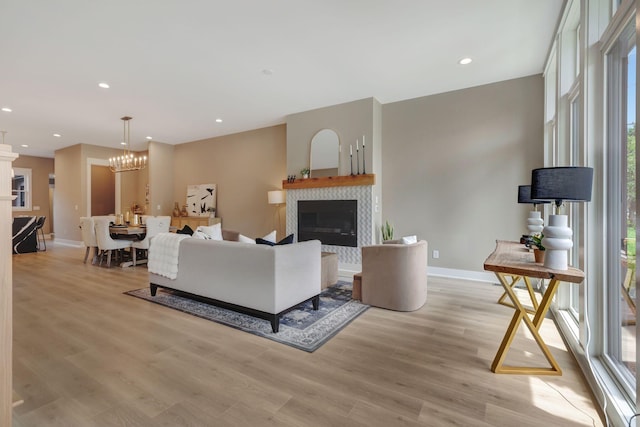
(325, 153)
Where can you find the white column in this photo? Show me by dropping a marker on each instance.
(6, 312)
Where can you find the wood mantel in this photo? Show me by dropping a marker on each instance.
(330, 181)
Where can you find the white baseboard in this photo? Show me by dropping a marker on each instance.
(73, 243)
(346, 272)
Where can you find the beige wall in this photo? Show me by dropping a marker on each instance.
(452, 164)
(350, 121)
(244, 166)
(40, 167)
(70, 196)
(161, 172)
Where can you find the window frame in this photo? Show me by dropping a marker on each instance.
(27, 192)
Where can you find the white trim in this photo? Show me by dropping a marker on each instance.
(346, 271)
(72, 243)
(101, 162)
(28, 176)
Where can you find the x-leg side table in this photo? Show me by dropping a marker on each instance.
(512, 259)
(514, 280)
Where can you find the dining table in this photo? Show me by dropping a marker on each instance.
(129, 232)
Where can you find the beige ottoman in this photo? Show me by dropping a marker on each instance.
(329, 269)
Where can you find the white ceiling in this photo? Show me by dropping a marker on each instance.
(177, 65)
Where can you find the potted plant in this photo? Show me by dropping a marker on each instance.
(305, 173)
(538, 247)
(387, 231)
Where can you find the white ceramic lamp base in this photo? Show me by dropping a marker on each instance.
(557, 242)
(534, 223)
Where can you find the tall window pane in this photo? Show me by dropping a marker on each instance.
(621, 244)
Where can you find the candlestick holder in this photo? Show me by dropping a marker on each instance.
(364, 160)
(351, 162)
(358, 161)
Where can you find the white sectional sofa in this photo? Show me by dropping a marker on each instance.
(260, 280)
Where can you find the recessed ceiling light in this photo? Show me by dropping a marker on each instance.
(24, 145)
(123, 143)
(218, 120)
(7, 109)
(149, 137)
(104, 85)
(465, 61)
(57, 135)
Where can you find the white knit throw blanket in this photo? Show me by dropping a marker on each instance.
(163, 254)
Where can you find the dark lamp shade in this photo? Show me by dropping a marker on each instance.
(568, 183)
(524, 196)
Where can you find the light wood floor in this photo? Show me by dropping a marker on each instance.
(87, 355)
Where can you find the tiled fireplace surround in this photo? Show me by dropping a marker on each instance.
(348, 257)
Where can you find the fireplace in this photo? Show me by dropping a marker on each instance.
(333, 222)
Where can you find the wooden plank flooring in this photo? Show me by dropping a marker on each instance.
(87, 355)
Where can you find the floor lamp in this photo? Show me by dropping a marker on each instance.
(278, 198)
(560, 184)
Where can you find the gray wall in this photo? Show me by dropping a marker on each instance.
(350, 121)
(452, 164)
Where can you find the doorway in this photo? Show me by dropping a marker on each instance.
(103, 191)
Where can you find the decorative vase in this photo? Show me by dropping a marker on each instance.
(176, 210)
(305, 175)
(538, 254)
(184, 211)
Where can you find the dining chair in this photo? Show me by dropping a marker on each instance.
(39, 225)
(105, 242)
(89, 237)
(155, 225)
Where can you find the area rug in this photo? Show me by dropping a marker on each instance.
(302, 327)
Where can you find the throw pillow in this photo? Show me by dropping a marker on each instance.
(270, 237)
(245, 239)
(214, 231)
(407, 240)
(287, 240)
(185, 230)
(200, 235)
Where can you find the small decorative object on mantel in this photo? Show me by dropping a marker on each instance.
(357, 157)
(305, 173)
(364, 162)
(212, 211)
(351, 158)
(291, 178)
(176, 210)
(184, 211)
(387, 231)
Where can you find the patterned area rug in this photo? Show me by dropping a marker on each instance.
(302, 327)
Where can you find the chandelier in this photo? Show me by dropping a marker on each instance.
(127, 162)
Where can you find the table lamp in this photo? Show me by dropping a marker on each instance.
(534, 222)
(560, 184)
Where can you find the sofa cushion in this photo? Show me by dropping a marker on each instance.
(213, 231)
(287, 240)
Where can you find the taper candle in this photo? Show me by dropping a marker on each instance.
(351, 150)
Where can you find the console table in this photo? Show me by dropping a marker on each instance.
(513, 260)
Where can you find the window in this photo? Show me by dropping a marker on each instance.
(621, 243)
(21, 188)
